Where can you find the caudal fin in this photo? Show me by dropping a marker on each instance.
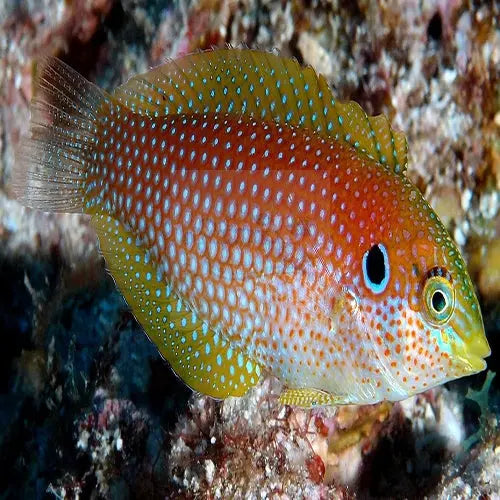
(52, 164)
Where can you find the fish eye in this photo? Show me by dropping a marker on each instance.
(439, 299)
(376, 268)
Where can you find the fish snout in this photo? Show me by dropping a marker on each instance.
(472, 347)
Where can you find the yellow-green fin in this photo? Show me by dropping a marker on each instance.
(200, 356)
(307, 398)
(267, 87)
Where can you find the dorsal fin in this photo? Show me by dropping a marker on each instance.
(267, 87)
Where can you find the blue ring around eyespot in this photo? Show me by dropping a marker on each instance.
(376, 289)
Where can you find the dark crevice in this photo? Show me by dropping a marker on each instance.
(435, 27)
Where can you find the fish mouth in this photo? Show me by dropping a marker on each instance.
(471, 348)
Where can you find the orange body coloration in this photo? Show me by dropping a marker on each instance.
(255, 224)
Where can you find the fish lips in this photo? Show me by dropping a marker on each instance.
(470, 350)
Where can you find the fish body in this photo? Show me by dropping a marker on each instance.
(256, 225)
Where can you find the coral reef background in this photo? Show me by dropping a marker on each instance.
(87, 406)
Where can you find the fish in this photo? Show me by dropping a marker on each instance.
(257, 226)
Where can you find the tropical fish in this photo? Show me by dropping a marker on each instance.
(257, 225)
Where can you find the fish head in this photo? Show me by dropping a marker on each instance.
(416, 303)
(445, 302)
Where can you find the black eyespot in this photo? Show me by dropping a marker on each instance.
(375, 266)
(438, 301)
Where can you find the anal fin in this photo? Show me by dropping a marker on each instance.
(199, 355)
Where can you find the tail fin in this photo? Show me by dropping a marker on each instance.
(52, 164)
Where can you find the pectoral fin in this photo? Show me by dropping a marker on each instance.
(308, 398)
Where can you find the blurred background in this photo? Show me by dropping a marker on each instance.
(88, 409)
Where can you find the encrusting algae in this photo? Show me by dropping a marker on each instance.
(254, 224)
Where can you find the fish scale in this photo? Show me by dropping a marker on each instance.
(256, 224)
(257, 152)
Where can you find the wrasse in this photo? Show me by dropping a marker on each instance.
(257, 225)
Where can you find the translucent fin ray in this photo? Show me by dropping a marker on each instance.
(307, 398)
(51, 165)
(199, 356)
(266, 87)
